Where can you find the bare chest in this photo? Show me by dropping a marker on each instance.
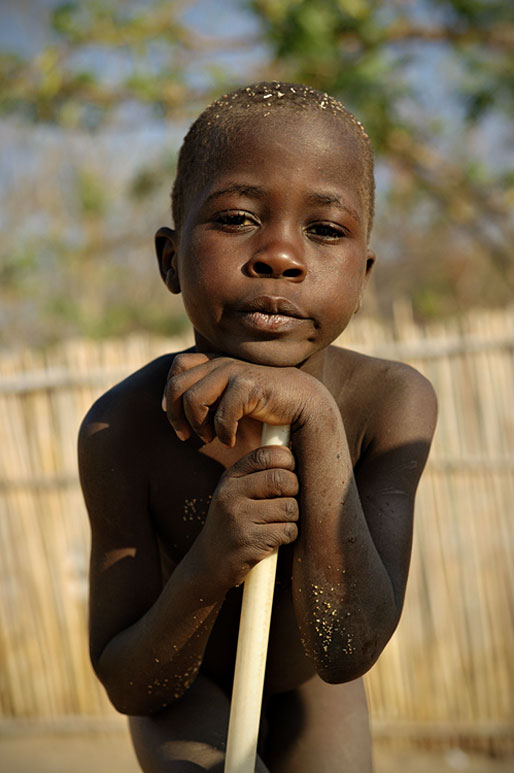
(185, 477)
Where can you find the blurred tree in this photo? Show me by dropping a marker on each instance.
(432, 81)
(451, 207)
(105, 54)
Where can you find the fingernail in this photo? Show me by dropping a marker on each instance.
(180, 434)
(164, 404)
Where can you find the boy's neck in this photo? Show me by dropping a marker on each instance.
(316, 365)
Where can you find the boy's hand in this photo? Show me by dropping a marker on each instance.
(253, 511)
(208, 395)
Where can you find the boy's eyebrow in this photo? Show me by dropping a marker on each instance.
(315, 199)
(252, 191)
(329, 199)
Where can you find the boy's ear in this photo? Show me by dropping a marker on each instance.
(166, 249)
(370, 262)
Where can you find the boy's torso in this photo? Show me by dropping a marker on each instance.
(181, 478)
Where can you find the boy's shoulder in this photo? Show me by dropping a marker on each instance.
(375, 375)
(132, 407)
(122, 438)
(381, 392)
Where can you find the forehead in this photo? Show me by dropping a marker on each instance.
(308, 148)
(299, 137)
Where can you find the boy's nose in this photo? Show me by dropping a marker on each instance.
(277, 261)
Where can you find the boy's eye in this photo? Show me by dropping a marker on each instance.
(327, 231)
(235, 219)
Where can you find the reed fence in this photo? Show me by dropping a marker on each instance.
(448, 673)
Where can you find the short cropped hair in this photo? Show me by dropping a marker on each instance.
(208, 138)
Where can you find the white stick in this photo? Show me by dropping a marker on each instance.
(252, 647)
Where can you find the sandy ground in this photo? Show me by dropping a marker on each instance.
(80, 753)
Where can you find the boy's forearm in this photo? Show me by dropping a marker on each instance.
(343, 596)
(154, 661)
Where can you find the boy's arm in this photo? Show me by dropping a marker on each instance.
(353, 551)
(146, 641)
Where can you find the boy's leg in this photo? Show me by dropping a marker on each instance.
(188, 736)
(319, 727)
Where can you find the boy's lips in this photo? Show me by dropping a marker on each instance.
(272, 314)
(269, 304)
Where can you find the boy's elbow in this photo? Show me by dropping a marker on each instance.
(130, 705)
(345, 669)
(348, 661)
(133, 699)
(137, 704)
(122, 697)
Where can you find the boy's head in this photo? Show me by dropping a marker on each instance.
(272, 204)
(208, 141)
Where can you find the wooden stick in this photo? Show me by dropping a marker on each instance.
(252, 646)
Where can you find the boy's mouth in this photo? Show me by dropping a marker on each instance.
(270, 313)
(268, 304)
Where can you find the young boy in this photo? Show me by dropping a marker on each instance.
(272, 207)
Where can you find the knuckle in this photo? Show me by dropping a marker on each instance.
(290, 531)
(262, 457)
(221, 497)
(281, 456)
(179, 364)
(221, 420)
(242, 380)
(275, 481)
(190, 402)
(225, 486)
(172, 390)
(265, 540)
(291, 509)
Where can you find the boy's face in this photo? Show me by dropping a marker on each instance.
(272, 256)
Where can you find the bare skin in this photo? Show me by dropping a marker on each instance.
(272, 262)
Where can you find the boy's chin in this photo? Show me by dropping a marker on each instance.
(277, 354)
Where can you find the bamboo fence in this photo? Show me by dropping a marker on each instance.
(447, 676)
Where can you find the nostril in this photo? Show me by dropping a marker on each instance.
(263, 269)
(276, 269)
(292, 272)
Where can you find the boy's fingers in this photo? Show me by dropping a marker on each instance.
(186, 361)
(183, 363)
(187, 409)
(263, 458)
(249, 394)
(178, 383)
(173, 407)
(282, 510)
(241, 398)
(217, 383)
(268, 484)
(264, 538)
(200, 400)
(286, 532)
(274, 535)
